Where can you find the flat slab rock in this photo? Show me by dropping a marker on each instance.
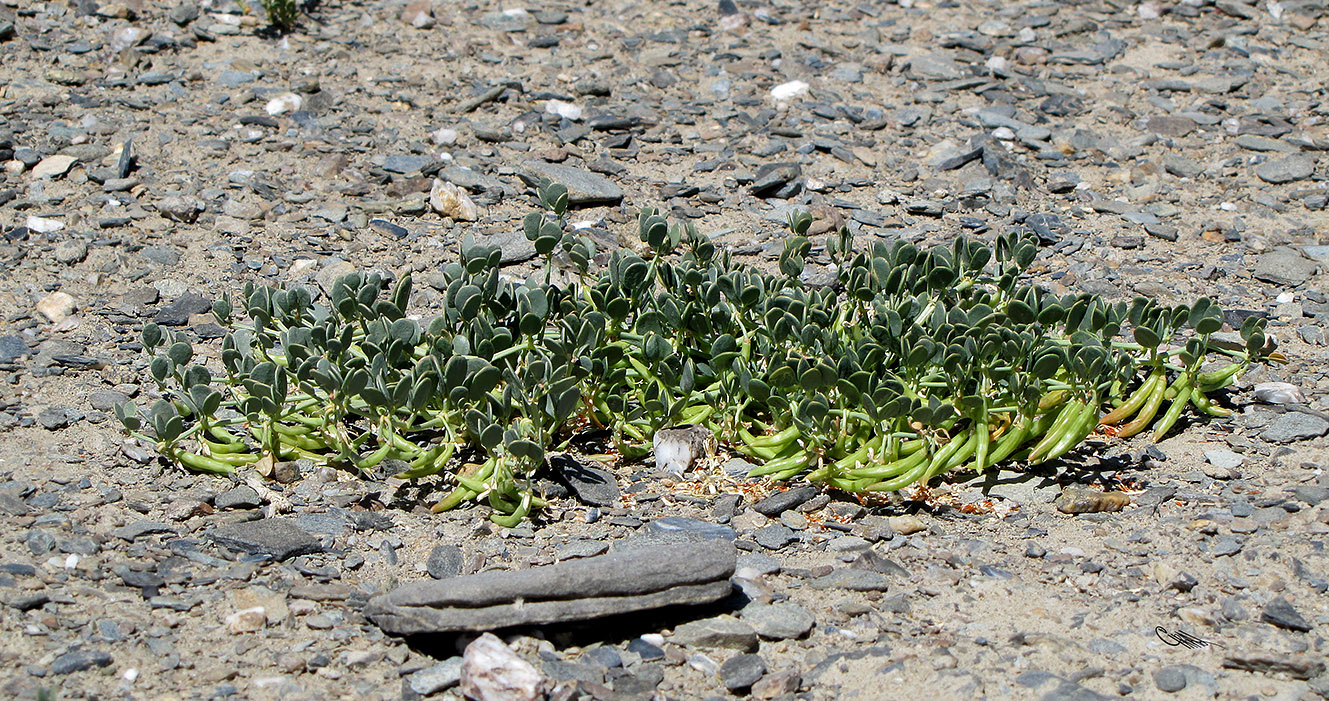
(279, 539)
(636, 579)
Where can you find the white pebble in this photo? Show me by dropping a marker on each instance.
(790, 90)
(43, 225)
(444, 136)
(566, 110)
(289, 102)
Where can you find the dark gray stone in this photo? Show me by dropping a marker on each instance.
(592, 485)
(1286, 170)
(1311, 494)
(12, 349)
(623, 581)
(279, 539)
(1280, 612)
(871, 561)
(1295, 426)
(780, 502)
(778, 621)
(1284, 266)
(406, 165)
(432, 680)
(241, 497)
(444, 561)
(106, 399)
(79, 660)
(854, 580)
(719, 632)
(775, 536)
(585, 189)
(742, 671)
(1181, 166)
(1295, 666)
(513, 246)
(138, 529)
(677, 528)
(772, 178)
(178, 311)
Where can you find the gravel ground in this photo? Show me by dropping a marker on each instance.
(157, 155)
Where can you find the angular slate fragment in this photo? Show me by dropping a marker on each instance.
(278, 538)
(177, 312)
(79, 660)
(1280, 613)
(592, 486)
(780, 502)
(585, 189)
(620, 582)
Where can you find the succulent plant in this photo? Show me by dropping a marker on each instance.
(913, 363)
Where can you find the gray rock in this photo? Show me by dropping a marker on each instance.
(80, 660)
(778, 621)
(280, 539)
(585, 189)
(934, 67)
(406, 165)
(853, 580)
(623, 581)
(12, 349)
(183, 14)
(742, 671)
(1224, 458)
(444, 561)
(1170, 679)
(1295, 666)
(719, 632)
(1311, 494)
(180, 208)
(517, 21)
(105, 399)
(178, 311)
(1295, 426)
(1284, 266)
(1181, 166)
(1175, 126)
(772, 178)
(513, 246)
(126, 160)
(591, 485)
(1050, 687)
(775, 536)
(678, 528)
(138, 529)
(580, 548)
(1286, 170)
(780, 502)
(1280, 613)
(241, 497)
(441, 676)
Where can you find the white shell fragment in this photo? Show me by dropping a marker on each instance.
(1279, 393)
(677, 449)
(790, 90)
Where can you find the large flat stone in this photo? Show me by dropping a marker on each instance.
(585, 189)
(624, 581)
(278, 538)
